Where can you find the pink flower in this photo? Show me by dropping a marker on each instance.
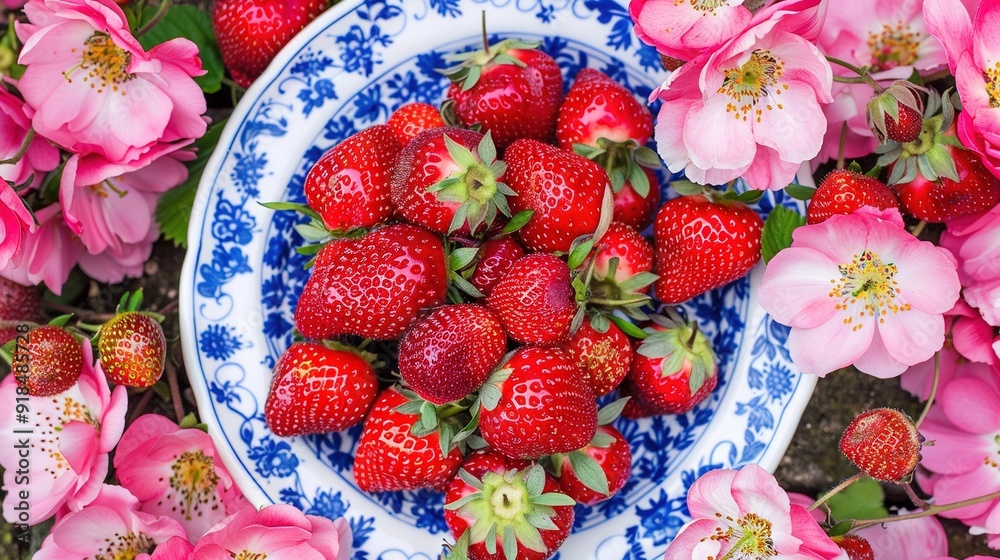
(49, 253)
(910, 539)
(41, 156)
(95, 90)
(16, 223)
(684, 30)
(890, 37)
(111, 527)
(13, 4)
(748, 511)
(751, 107)
(72, 434)
(859, 289)
(280, 530)
(973, 49)
(964, 423)
(176, 472)
(975, 242)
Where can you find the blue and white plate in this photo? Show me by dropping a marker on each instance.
(242, 277)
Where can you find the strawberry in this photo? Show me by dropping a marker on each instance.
(448, 180)
(634, 209)
(317, 389)
(535, 300)
(598, 107)
(251, 32)
(604, 358)
(391, 456)
(511, 89)
(944, 199)
(895, 113)
(450, 353)
(621, 256)
(906, 126)
(537, 403)
(373, 286)
(703, 244)
(19, 303)
(674, 369)
(499, 512)
(133, 349)
(610, 452)
(856, 547)
(843, 191)
(411, 119)
(349, 186)
(47, 360)
(883, 443)
(565, 191)
(496, 256)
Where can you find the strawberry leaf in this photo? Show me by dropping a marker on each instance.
(489, 396)
(510, 543)
(462, 257)
(589, 472)
(864, 499)
(778, 228)
(646, 157)
(611, 411)
(194, 24)
(554, 499)
(535, 481)
(687, 188)
(602, 440)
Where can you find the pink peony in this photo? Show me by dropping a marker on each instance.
(279, 530)
(751, 107)
(964, 423)
(684, 30)
(889, 37)
(910, 539)
(175, 472)
(49, 253)
(112, 527)
(745, 514)
(859, 289)
(975, 242)
(41, 156)
(973, 48)
(72, 434)
(96, 91)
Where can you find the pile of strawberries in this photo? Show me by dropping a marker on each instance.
(491, 248)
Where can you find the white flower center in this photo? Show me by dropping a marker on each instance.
(868, 280)
(757, 79)
(896, 45)
(749, 537)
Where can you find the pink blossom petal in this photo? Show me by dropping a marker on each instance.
(948, 21)
(955, 451)
(973, 339)
(792, 123)
(691, 542)
(795, 287)
(829, 346)
(966, 486)
(840, 237)
(971, 405)
(710, 126)
(911, 336)
(911, 539)
(768, 171)
(986, 29)
(78, 444)
(756, 490)
(877, 361)
(711, 494)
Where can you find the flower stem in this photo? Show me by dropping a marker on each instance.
(175, 389)
(836, 490)
(22, 150)
(932, 510)
(862, 72)
(917, 500)
(840, 147)
(161, 11)
(918, 229)
(934, 387)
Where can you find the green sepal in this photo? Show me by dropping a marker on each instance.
(600, 322)
(687, 188)
(611, 411)
(750, 196)
(589, 472)
(554, 499)
(799, 192)
(840, 529)
(517, 221)
(61, 321)
(628, 327)
(580, 252)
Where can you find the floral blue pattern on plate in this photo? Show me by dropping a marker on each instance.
(242, 277)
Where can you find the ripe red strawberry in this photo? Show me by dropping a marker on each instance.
(977, 190)
(411, 119)
(373, 286)
(497, 511)
(390, 456)
(251, 32)
(636, 210)
(564, 190)
(535, 300)
(19, 303)
(496, 256)
(511, 89)
(133, 349)
(843, 191)
(621, 254)
(448, 180)
(674, 369)
(317, 389)
(537, 403)
(350, 184)
(907, 126)
(450, 353)
(702, 245)
(604, 358)
(598, 107)
(610, 451)
(883, 443)
(856, 547)
(52, 363)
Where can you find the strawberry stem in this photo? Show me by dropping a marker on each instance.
(932, 510)
(486, 40)
(918, 229)
(934, 387)
(841, 146)
(917, 500)
(694, 333)
(836, 490)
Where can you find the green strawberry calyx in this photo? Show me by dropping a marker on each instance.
(475, 185)
(623, 161)
(682, 346)
(886, 104)
(929, 154)
(510, 510)
(471, 64)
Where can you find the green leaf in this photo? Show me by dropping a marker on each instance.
(462, 257)
(579, 253)
(778, 228)
(490, 396)
(589, 472)
(627, 327)
(173, 210)
(194, 24)
(864, 499)
(687, 188)
(799, 192)
(518, 221)
(611, 411)
(750, 197)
